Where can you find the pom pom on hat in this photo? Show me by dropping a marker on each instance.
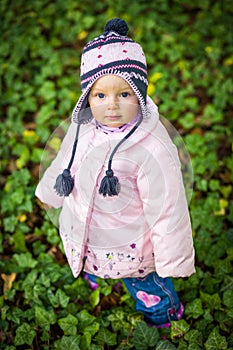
(117, 25)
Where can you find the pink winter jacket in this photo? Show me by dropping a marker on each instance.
(146, 227)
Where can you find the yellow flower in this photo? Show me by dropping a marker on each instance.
(151, 89)
(223, 204)
(22, 218)
(29, 133)
(208, 49)
(82, 35)
(155, 77)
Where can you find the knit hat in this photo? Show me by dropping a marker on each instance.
(110, 53)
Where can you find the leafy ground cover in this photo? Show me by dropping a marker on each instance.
(189, 51)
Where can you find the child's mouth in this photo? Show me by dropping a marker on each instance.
(113, 117)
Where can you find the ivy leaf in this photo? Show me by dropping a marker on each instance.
(62, 298)
(44, 318)
(117, 320)
(144, 336)
(165, 345)
(68, 324)
(193, 346)
(179, 328)
(10, 223)
(24, 335)
(228, 298)
(194, 309)
(19, 242)
(215, 341)
(95, 298)
(92, 329)
(194, 337)
(212, 301)
(230, 313)
(85, 319)
(69, 343)
(105, 337)
(25, 260)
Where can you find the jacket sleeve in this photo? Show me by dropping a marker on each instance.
(45, 189)
(162, 193)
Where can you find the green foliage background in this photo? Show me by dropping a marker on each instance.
(188, 45)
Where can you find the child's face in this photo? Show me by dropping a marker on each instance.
(113, 101)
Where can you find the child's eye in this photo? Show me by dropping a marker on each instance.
(100, 95)
(124, 94)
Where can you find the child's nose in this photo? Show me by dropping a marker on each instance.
(112, 102)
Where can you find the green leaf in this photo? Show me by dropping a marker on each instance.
(62, 298)
(25, 260)
(105, 337)
(85, 319)
(44, 318)
(144, 336)
(85, 341)
(68, 324)
(24, 335)
(215, 341)
(228, 298)
(69, 343)
(30, 279)
(45, 336)
(47, 91)
(95, 298)
(10, 223)
(187, 121)
(19, 242)
(194, 337)
(182, 345)
(212, 301)
(117, 319)
(179, 328)
(92, 329)
(194, 309)
(193, 346)
(230, 313)
(165, 345)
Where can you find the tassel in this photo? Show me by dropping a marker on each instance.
(110, 185)
(64, 183)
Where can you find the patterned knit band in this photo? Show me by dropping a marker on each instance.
(112, 53)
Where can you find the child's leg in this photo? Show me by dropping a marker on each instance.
(156, 298)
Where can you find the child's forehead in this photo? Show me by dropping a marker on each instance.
(111, 81)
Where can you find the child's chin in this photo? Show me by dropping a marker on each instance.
(114, 125)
